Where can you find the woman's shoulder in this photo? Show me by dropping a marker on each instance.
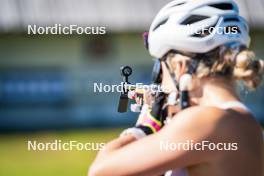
(215, 120)
(211, 114)
(201, 114)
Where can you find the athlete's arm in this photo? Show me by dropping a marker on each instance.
(149, 156)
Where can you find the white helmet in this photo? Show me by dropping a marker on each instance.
(196, 26)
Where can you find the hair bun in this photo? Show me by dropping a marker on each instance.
(248, 69)
(261, 64)
(243, 61)
(244, 58)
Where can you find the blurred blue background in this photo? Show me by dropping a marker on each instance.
(46, 81)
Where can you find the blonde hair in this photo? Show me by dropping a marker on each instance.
(240, 65)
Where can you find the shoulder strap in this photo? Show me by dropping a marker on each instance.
(233, 104)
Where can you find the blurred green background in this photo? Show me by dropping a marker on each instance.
(46, 81)
(17, 160)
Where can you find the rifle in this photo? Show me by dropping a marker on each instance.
(175, 98)
(125, 72)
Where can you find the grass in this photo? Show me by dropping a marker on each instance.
(16, 160)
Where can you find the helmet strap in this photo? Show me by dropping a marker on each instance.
(185, 82)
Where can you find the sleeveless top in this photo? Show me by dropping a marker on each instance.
(225, 106)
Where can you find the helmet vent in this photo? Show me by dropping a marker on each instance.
(204, 33)
(193, 19)
(201, 34)
(178, 4)
(159, 24)
(223, 6)
(231, 20)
